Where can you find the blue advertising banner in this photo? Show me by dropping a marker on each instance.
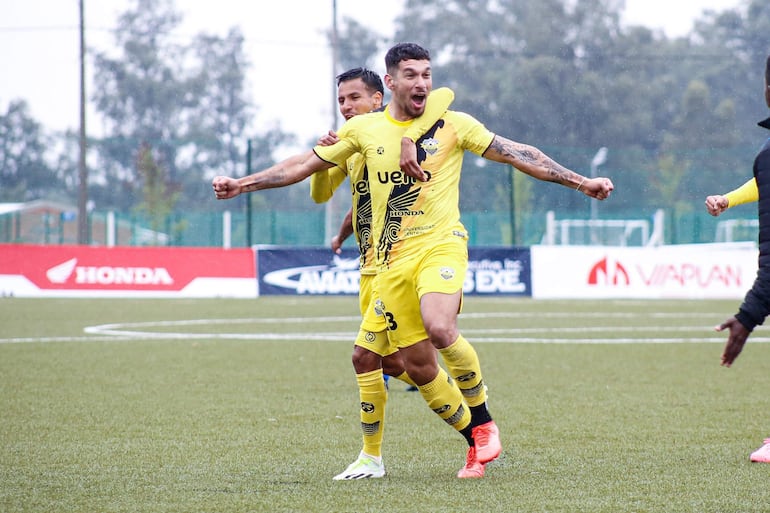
(312, 271)
(318, 271)
(498, 271)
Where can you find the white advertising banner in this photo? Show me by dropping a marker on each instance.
(698, 271)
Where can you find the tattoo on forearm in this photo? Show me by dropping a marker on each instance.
(524, 157)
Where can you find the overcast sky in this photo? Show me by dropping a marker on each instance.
(39, 49)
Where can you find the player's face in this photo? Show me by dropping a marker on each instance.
(354, 98)
(410, 86)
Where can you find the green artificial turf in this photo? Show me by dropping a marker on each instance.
(603, 406)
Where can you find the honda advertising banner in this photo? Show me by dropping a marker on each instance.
(698, 271)
(85, 271)
(491, 271)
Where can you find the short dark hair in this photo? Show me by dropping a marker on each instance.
(371, 80)
(403, 52)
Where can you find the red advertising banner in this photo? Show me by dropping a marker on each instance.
(31, 270)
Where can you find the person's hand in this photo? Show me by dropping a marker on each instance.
(408, 162)
(337, 244)
(598, 188)
(735, 342)
(225, 187)
(328, 139)
(716, 204)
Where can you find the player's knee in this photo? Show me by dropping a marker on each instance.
(364, 360)
(442, 334)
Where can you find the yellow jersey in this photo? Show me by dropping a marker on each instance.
(407, 214)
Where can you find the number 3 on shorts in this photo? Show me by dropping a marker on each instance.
(390, 320)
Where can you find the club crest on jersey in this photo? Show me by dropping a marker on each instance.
(447, 273)
(429, 145)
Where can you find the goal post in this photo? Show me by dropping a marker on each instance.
(604, 232)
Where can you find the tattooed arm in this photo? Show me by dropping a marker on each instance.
(537, 164)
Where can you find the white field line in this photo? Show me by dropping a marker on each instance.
(646, 332)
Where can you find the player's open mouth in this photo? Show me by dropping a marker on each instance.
(418, 101)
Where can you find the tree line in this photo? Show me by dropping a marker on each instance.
(677, 115)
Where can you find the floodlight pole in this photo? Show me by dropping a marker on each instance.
(599, 159)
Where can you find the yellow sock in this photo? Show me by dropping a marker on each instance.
(463, 365)
(374, 395)
(405, 378)
(444, 398)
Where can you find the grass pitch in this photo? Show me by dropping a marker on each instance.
(116, 405)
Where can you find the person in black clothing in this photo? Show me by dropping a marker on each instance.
(756, 305)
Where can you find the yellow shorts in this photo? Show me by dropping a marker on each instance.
(441, 268)
(372, 334)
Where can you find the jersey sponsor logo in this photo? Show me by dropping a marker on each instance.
(361, 187)
(399, 177)
(407, 213)
(108, 275)
(342, 277)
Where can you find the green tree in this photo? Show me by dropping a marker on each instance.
(158, 195)
(186, 102)
(142, 94)
(357, 45)
(25, 173)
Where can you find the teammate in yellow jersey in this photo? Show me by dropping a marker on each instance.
(361, 91)
(746, 193)
(421, 245)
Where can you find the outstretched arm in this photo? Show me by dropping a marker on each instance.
(290, 171)
(537, 164)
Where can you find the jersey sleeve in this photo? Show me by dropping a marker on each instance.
(438, 103)
(475, 137)
(347, 146)
(324, 183)
(746, 193)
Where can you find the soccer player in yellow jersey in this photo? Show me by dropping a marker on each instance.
(361, 91)
(746, 193)
(421, 250)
